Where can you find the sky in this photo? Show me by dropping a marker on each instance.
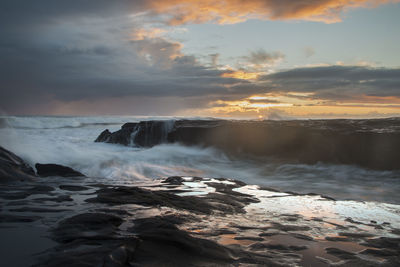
(272, 59)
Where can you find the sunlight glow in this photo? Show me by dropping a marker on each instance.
(241, 75)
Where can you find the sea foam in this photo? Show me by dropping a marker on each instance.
(56, 140)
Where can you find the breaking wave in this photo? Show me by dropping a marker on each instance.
(56, 122)
(63, 140)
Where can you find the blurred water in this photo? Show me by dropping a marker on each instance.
(69, 141)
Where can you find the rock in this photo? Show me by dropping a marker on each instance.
(151, 133)
(357, 262)
(396, 231)
(161, 239)
(189, 230)
(104, 136)
(342, 254)
(290, 227)
(10, 218)
(18, 203)
(26, 192)
(156, 222)
(304, 237)
(174, 180)
(338, 238)
(118, 212)
(317, 219)
(40, 189)
(88, 256)
(39, 210)
(91, 221)
(57, 199)
(228, 201)
(135, 195)
(156, 241)
(268, 233)
(121, 256)
(328, 197)
(380, 252)
(87, 226)
(129, 125)
(355, 235)
(383, 242)
(251, 238)
(15, 195)
(13, 168)
(331, 141)
(217, 232)
(73, 187)
(266, 245)
(144, 133)
(45, 170)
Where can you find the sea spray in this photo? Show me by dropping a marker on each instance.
(117, 164)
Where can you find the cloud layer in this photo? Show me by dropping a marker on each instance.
(101, 57)
(338, 83)
(233, 11)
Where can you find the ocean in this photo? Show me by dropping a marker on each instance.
(70, 141)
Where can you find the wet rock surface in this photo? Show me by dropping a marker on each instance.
(13, 168)
(104, 136)
(73, 187)
(45, 170)
(193, 221)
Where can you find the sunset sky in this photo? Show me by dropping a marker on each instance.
(252, 59)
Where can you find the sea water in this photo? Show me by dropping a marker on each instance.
(70, 141)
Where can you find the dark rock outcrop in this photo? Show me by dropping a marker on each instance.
(139, 196)
(373, 144)
(104, 136)
(144, 133)
(10, 218)
(86, 225)
(152, 226)
(45, 170)
(13, 168)
(174, 180)
(73, 187)
(160, 238)
(154, 241)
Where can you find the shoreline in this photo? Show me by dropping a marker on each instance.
(204, 221)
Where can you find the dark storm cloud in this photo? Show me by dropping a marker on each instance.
(64, 51)
(55, 52)
(26, 12)
(337, 82)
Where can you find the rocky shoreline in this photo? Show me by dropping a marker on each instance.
(373, 144)
(185, 221)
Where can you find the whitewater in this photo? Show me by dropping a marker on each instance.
(70, 141)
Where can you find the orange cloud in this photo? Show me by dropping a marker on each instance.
(244, 106)
(240, 75)
(141, 33)
(259, 106)
(233, 11)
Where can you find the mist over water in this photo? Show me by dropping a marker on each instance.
(70, 141)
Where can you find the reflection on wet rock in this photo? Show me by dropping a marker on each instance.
(201, 222)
